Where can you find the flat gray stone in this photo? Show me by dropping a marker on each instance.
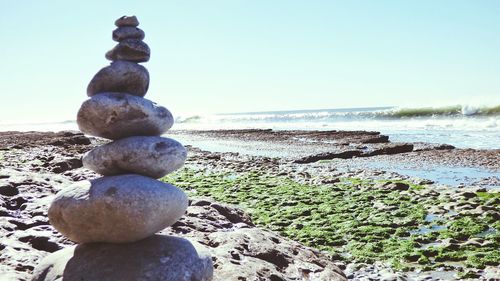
(120, 76)
(130, 50)
(128, 32)
(119, 115)
(148, 156)
(116, 209)
(156, 258)
(127, 21)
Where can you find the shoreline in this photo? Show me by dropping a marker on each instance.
(439, 163)
(373, 223)
(462, 131)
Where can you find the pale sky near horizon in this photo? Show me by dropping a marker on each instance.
(261, 55)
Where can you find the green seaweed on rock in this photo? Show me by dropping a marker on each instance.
(355, 219)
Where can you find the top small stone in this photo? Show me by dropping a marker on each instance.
(127, 21)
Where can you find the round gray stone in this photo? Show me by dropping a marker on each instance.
(156, 258)
(116, 209)
(119, 115)
(130, 50)
(128, 32)
(127, 21)
(120, 76)
(148, 156)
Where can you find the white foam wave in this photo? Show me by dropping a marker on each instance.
(461, 131)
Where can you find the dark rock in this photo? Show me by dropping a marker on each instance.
(127, 21)
(444, 147)
(130, 50)
(22, 140)
(330, 181)
(66, 165)
(375, 139)
(14, 203)
(200, 202)
(467, 194)
(153, 157)
(9, 190)
(120, 76)
(156, 258)
(26, 223)
(275, 257)
(394, 186)
(78, 139)
(419, 146)
(395, 148)
(128, 32)
(116, 209)
(120, 115)
(41, 243)
(233, 215)
(328, 156)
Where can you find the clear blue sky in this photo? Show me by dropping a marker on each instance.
(235, 55)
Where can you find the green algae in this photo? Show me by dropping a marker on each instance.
(354, 219)
(488, 195)
(464, 227)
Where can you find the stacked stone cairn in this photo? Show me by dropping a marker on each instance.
(114, 218)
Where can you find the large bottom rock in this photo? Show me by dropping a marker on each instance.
(157, 258)
(116, 209)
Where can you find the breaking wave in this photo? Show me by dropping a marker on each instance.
(374, 113)
(461, 126)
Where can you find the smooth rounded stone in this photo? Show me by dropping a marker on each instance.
(130, 50)
(116, 209)
(120, 76)
(127, 21)
(148, 156)
(128, 32)
(119, 115)
(156, 258)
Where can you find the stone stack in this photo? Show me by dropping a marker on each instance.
(114, 218)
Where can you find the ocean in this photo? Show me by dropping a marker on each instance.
(461, 126)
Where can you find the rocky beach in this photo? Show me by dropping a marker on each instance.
(250, 141)
(317, 213)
